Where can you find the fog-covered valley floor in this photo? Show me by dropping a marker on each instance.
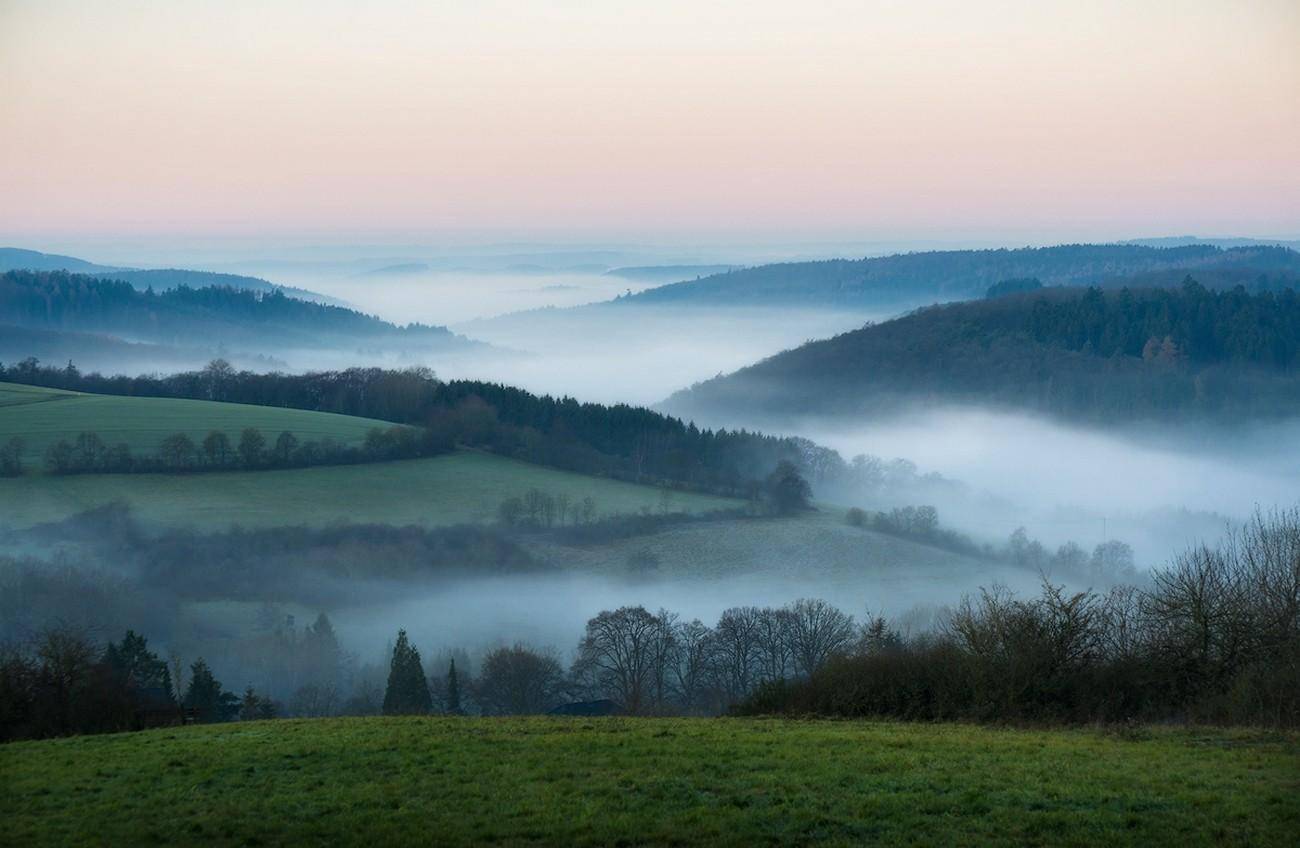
(1159, 488)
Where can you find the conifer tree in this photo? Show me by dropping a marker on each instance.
(206, 697)
(408, 690)
(453, 691)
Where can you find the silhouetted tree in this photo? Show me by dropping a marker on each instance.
(786, 490)
(205, 696)
(408, 690)
(252, 446)
(453, 691)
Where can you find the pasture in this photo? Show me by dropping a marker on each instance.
(42, 416)
(465, 781)
(458, 488)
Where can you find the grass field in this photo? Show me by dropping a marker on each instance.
(650, 781)
(457, 488)
(43, 416)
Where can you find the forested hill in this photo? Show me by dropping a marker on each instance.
(1082, 354)
(620, 441)
(57, 300)
(17, 259)
(914, 279)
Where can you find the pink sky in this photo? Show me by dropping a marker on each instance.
(881, 119)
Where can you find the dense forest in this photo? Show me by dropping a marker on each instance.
(57, 300)
(913, 279)
(1083, 354)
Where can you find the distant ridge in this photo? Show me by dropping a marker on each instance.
(669, 273)
(397, 270)
(210, 315)
(908, 280)
(1086, 355)
(160, 279)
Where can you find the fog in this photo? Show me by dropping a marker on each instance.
(621, 353)
(551, 611)
(555, 332)
(1159, 488)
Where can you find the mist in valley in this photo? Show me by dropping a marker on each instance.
(1159, 489)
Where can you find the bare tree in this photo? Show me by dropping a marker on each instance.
(696, 658)
(736, 651)
(774, 644)
(817, 631)
(519, 681)
(618, 654)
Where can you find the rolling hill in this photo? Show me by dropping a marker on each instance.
(41, 417)
(474, 781)
(1085, 355)
(159, 279)
(465, 487)
(914, 279)
(210, 315)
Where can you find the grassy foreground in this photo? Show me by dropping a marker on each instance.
(464, 487)
(633, 781)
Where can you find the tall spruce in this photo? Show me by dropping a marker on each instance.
(408, 691)
(453, 691)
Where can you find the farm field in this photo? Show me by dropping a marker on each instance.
(43, 416)
(463, 487)
(369, 781)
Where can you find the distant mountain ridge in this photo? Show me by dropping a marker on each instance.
(184, 316)
(160, 279)
(669, 273)
(913, 279)
(1085, 355)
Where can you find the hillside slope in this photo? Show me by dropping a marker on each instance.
(1085, 355)
(41, 417)
(466, 487)
(56, 300)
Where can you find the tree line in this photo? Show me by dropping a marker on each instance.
(1111, 562)
(1214, 637)
(89, 453)
(619, 441)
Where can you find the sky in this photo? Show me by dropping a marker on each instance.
(1029, 121)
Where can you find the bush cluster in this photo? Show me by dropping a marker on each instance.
(1215, 637)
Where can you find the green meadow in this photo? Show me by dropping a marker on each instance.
(41, 417)
(463, 487)
(386, 781)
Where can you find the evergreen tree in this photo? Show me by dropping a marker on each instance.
(136, 667)
(205, 696)
(453, 691)
(253, 706)
(408, 690)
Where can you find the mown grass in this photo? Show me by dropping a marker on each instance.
(660, 781)
(464, 487)
(42, 416)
